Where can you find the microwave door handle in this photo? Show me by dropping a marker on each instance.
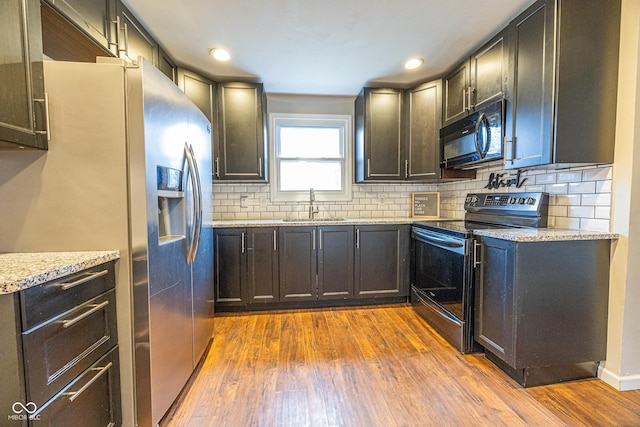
(192, 178)
(482, 125)
(199, 199)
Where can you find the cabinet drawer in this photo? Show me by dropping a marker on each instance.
(59, 350)
(48, 300)
(92, 399)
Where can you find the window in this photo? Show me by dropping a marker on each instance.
(310, 151)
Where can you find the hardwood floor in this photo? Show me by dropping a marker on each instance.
(374, 366)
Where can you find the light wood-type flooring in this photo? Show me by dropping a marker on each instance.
(374, 366)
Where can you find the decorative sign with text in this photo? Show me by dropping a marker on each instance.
(498, 180)
(425, 205)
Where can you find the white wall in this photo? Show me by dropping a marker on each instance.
(622, 369)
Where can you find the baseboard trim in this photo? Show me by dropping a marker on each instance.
(625, 383)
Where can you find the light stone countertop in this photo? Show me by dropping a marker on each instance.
(544, 234)
(306, 222)
(19, 271)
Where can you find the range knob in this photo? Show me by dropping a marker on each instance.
(521, 200)
(512, 200)
(531, 201)
(474, 199)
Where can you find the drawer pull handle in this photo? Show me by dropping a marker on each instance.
(73, 396)
(67, 323)
(65, 286)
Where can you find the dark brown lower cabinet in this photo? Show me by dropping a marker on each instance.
(306, 266)
(60, 352)
(298, 263)
(541, 307)
(246, 266)
(382, 261)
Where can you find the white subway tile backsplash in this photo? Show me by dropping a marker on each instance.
(594, 224)
(569, 176)
(556, 188)
(603, 199)
(567, 223)
(603, 212)
(579, 198)
(548, 178)
(582, 187)
(581, 211)
(598, 174)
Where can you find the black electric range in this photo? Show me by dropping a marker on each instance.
(442, 259)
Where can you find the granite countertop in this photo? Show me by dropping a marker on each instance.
(301, 222)
(19, 271)
(544, 234)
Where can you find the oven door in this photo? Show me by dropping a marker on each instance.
(441, 285)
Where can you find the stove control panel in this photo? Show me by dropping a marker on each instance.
(520, 202)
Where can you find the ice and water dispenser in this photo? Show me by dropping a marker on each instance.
(171, 207)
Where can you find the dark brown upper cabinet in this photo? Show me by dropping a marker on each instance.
(477, 81)
(379, 135)
(241, 125)
(23, 110)
(424, 120)
(562, 93)
(133, 39)
(203, 92)
(96, 18)
(167, 65)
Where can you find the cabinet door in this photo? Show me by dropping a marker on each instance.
(242, 133)
(494, 301)
(167, 66)
(335, 262)
(528, 124)
(424, 104)
(381, 265)
(262, 265)
(456, 93)
(298, 263)
(230, 266)
(23, 109)
(203, 290)
(93, 17)
(379, 135)
(488, 71)
(202, 91)
(134, 39)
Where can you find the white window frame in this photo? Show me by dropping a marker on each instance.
(277, 120)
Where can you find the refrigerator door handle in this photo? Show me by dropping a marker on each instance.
(194, 184)
(199, 198)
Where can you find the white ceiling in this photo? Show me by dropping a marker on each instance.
(326, 47)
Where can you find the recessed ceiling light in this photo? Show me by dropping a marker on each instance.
(219, 54)
(413, 63)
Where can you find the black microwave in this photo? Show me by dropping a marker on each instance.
(475, 139)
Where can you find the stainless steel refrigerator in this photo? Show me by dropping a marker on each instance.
(128, 168)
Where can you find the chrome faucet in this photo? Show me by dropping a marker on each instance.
(312, 198)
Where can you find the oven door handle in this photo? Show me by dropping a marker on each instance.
(438, 241)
